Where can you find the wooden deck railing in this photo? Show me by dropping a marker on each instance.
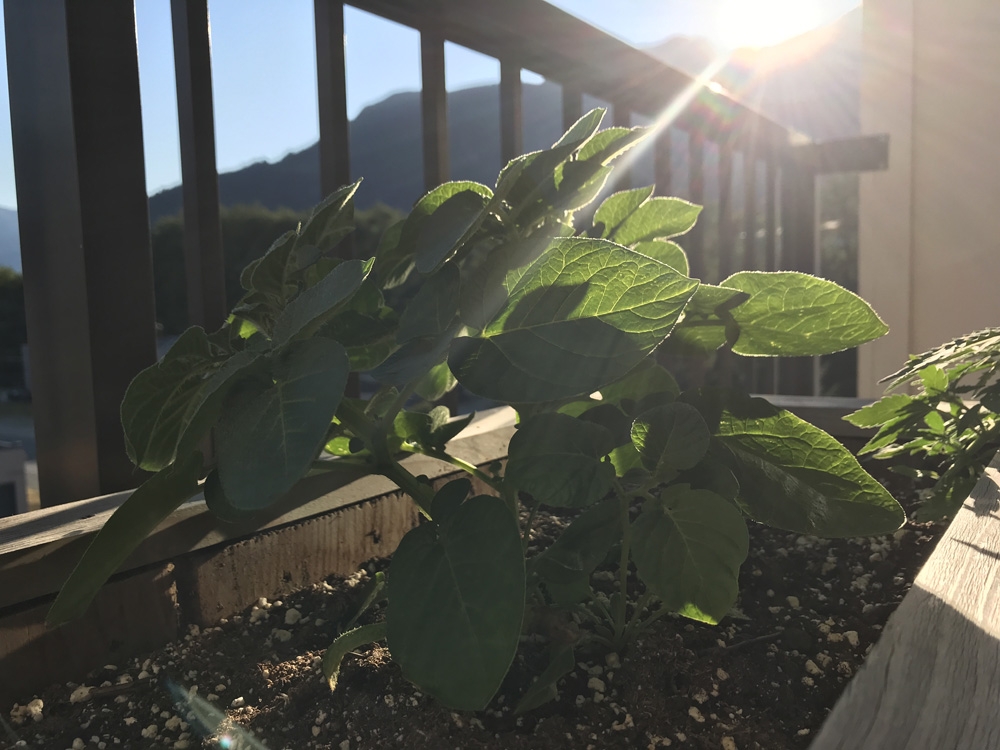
(84, 221)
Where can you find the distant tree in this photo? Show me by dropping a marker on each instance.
(247, 233)
(13, 330)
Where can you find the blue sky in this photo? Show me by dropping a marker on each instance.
(265, 80)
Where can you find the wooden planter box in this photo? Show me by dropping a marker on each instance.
(931, 682)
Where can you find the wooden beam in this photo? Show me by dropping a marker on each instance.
(564, 49)
(930, 682)
(511, 117)
(572, 105)
(663, 169)
(727, 232)
(204, 267)
(798, 375)
(84, 226)
(695, 239)
(331, 84)
(434, 107)
(621, 118)
(864, 154)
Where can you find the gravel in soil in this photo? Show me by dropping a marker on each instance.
(809, 611)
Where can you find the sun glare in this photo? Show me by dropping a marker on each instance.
(761, 23)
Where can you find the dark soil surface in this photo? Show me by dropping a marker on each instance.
(809, 612)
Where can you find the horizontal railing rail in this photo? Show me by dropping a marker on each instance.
(78, 157)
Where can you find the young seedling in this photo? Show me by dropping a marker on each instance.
(499, 290)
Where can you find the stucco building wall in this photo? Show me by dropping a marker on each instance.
(930, 225)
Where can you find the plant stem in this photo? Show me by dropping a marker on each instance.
(385, 464)
(455, 461)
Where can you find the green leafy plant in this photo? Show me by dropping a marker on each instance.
(498, 290)
(951, 422)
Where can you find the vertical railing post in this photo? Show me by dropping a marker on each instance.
(797, 375)
(204, 265)
(696, 192)
(434, 108)
(662, 166)
(334, 124)
(572, 104)
(727, 233)
(331, 84)
(622, 118)
(511, 116)
(76, 123)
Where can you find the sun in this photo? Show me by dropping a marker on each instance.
(761, 23)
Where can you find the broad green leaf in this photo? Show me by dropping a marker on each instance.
(368, 339)
(268, 438)
(610, 143)
(269, 275)
(484, 288)
(535, 181)
(578, 183)
(122, 533)
(709, 301)
(436, 382)
(711, 474)
(316, 305)
(417, 426)
(344, 644)
(648, 378)
(393, 260)
(657, 218)
(582, 546)
(171, 405)
(433, 307)
(880, 412)
(707, 323)
(625, 458)
(688, 546)
(327, 222)
(609, 416)
(456, 601)
(543, 689)
(670, 438)
(667, 252)
(412, 360)
(443, 231)
(557, 460)
(618, 207)
(448, 500)
(577, 318)
(794, 476)
(794, 314)
(581, 130)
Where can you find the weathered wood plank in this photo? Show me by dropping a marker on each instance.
(204, 264)
(933, 680)
(76, 130)
(37, 551)
(511, 116)
(434, 109)
(129, 616)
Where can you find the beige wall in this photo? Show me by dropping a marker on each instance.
(930, 225)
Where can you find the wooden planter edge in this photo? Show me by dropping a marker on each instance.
(932, 682)
(194, 571)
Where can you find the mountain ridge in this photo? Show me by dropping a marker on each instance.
(809, 83)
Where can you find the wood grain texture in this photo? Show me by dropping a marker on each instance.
(933, 680)
(130, 616)
(38, 550)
